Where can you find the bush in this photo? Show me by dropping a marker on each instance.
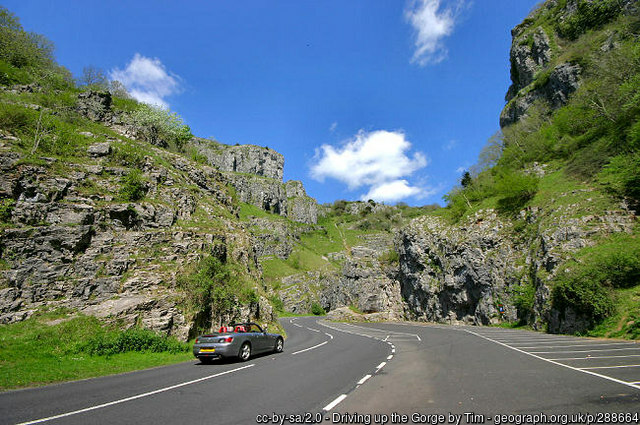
(621, 177)
(133, 186)
(589, 15)
(516, 189)
(588, 285)
(584, 295)
(134, 339)
(317, 310)
(6, 208)
(277, 303)
(213, 286)
(524, 299)
(159, 126)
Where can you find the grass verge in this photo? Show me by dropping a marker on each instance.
(54, 347)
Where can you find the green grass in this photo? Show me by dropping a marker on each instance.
(625, 322)
(51, 347)
(248, 210)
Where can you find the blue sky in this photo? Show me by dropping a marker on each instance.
(383, 99)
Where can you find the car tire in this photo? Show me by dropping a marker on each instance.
(245, 352)
(279, 346)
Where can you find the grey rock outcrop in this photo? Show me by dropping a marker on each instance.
(247, 159)
(456, 275)
(363, 282)
(256, 175)
(95, 105)
(529, 54)
(70, 245)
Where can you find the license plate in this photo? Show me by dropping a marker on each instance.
(207, 350)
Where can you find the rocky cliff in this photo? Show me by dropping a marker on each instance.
(526, 240)
(544, 66)
(256, 174)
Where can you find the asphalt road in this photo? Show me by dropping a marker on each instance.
(332, 371)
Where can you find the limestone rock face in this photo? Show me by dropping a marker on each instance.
(562, 81)
(529, 54)
(68, 245)
(95, 105)
(364, 282)
(256, 175)
(247, 159)
(456, 275)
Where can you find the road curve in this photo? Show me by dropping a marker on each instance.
(492, 371)
(338, 370)
(317, 365)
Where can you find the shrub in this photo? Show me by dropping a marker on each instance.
(584, 295)
(317, 310)
(215, 286)
(277, 303)
(390, 257)
(134, 339)
(589, 15)
(621, 177)
(6, 208)
(516, 189)
(524, 297)
(133, 186)
(159, 126)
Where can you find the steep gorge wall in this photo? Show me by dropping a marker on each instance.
(256, 174)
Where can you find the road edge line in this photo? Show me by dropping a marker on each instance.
(135, 397)
(637, 387)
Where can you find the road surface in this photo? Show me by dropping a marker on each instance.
(346, 373)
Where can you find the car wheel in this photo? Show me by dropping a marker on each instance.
(245, 352)
(279, 346)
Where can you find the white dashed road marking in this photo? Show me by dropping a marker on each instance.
(334, 403)
(363, 380)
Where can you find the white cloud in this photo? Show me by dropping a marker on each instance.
(377, 159)
(147, 80)
(431, 25)
(392, 191)
(333, 127)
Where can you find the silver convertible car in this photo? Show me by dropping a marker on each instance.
(239, 340)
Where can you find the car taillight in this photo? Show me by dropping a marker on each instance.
(227, 339)
(197, 340)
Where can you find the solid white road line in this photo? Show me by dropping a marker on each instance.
(556, 363)
(596, 357)
(135, 397)
(575, 345)
(310, 348)
(334, 403)
(581, 351)
(609, 367)
(363, 380)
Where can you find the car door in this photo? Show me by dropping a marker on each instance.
(261, 341)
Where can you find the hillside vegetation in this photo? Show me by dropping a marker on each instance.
(583, 156)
